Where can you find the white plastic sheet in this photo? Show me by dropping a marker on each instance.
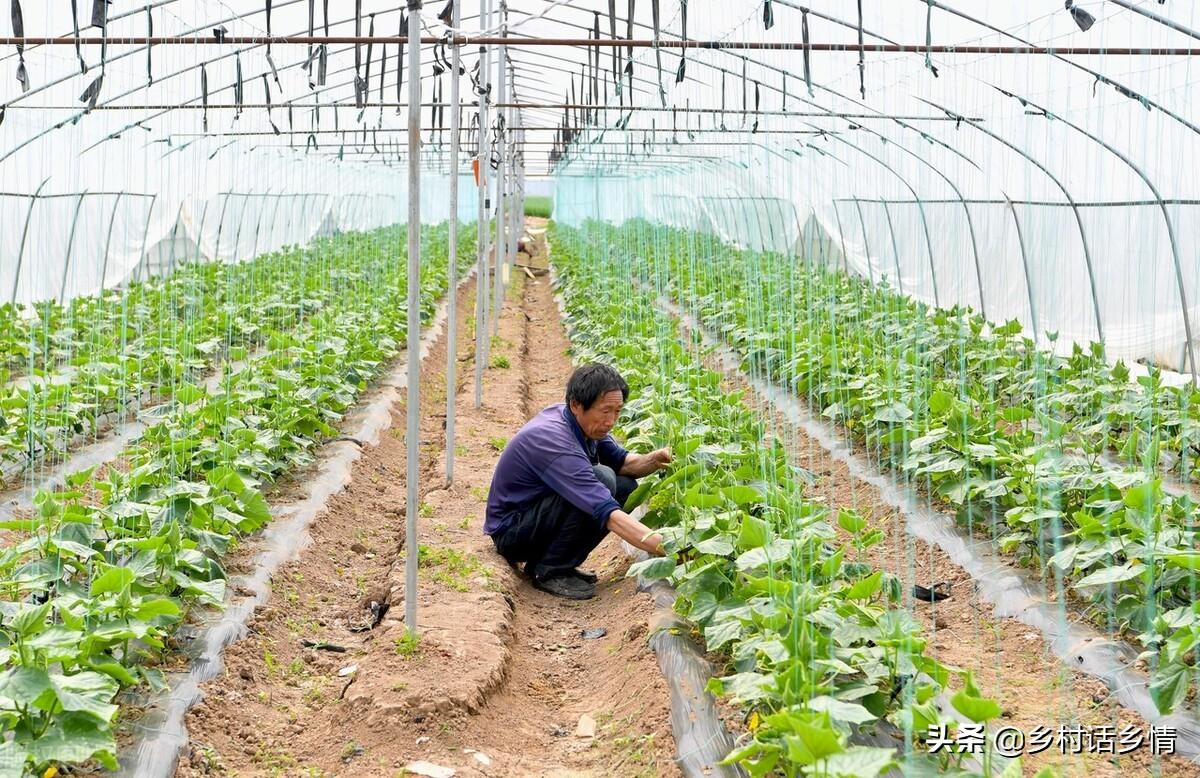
(885, 176)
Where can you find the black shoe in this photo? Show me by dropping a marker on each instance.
(584, 575)
(566, 586)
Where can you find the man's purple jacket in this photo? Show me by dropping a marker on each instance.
(551, 454)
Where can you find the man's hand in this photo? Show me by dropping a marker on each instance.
(661, 458)
(638, 465)
(635, 533)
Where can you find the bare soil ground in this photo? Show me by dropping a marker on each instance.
(500, 676)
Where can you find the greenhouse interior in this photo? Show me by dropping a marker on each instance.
(798, 388)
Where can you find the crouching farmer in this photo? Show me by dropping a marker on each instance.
(560, 484)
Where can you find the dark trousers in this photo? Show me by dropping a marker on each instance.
(552, 536)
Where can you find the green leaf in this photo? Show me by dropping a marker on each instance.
(1144, 496)
(811, 743)
(753, 533)
(851, 521)
(849, 712)
(1112, 575)
(717, 546)
(894, 413)
(30, 619)
(721, 632)
(188, 393)
(858, 762)
(75, 737)
(971, 704)
(87, 693)
(940, 402)
(111, 581)
(652, 569)
(696, 497)
(1169, 686)
(865, 588)
(746, 687)
(1013, 770)
(1016, 414)
(13, 758)
(1186, 561)
(639, 495)
(743, 495)
(26, 686)
(151, 609)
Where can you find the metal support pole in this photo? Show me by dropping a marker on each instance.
(24, 236)
(866, 241)
(62, 289)
(1033, 316)
(145, 233)
(412, 438)
(482, 160)
(516, 210)
(221, 225)
(452, 271)
(895, 249)
(501, 174)
(108, 240)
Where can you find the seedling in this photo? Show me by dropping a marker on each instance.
(408, 645)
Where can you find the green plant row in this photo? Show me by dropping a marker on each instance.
(814, 645)
(108, 568)
(97, 353)
(539, 206)
(1009, 435)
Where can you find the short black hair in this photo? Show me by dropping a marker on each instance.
(592, 381)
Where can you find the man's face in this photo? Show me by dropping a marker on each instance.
(598, 421)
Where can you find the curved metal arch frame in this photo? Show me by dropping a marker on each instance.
(1033, 316)
(1187, 319)
(920, 207)
(1087, 251)
(1083, 234)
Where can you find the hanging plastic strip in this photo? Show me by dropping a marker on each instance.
(358, 79)
(756, 108)
(100, 14)
(204, 96)
(18, 25)
(929, 37)
(680, 74)
(239, 87)
(270, 59)
(382, 79)
(83, 68)
(400, 63)
(311, 18)
(629, 49)
(662, 94)
(149, 49)
(612, 33)
(595, 57)
(267, 100)
(862, 57)
(807, 53)
(363, 89)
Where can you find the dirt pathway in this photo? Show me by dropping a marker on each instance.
(500, 676)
